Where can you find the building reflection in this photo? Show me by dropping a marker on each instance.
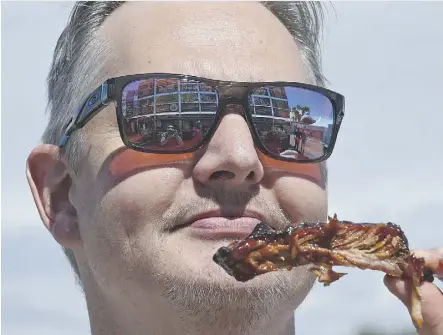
(156, 104)
(287, 129)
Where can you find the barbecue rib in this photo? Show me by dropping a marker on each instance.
(382, 247)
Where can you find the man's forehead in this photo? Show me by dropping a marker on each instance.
(221, 40)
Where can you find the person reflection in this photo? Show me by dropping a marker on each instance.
(171, 138)
(272, 140)
(195, 134)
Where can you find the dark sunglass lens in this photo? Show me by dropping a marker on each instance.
(167, 114)
(292, 122)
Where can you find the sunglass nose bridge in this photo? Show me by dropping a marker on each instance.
(231, 91)
(233, 99)
(234, 108)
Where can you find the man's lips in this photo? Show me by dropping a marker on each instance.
(222, 227)
(215, 224)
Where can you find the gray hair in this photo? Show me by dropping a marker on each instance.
(72, 71)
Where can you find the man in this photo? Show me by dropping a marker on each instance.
(171, 137)
(140, 224)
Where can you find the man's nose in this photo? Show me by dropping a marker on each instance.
(230, 158)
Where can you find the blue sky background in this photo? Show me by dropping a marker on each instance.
(319, 105)
(385, 57)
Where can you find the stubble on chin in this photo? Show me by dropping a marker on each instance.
(227, 305)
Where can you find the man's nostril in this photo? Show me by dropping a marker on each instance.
(228, 175)
(222, 175)
(250, 176)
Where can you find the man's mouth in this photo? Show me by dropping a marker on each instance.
(223, 227)
(217, 225)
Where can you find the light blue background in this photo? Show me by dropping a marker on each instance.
(386, 58)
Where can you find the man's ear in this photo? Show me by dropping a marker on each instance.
(50, 183)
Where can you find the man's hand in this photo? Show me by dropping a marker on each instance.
(432, 303)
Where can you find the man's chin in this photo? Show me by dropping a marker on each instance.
(216, 275)
(211, 287)
(186, 275)
(197, 265)
(188, 261)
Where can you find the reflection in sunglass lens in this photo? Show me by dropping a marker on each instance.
(292, 122)
(168, 114)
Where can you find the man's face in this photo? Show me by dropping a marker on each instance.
(131, 217)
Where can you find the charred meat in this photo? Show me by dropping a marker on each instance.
(321, 246)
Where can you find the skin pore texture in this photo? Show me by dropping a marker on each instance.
(139, 275)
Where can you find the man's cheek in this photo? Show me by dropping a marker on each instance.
(111, 234)
(301, 199)
(135, 204)
(125, 162)
(315, 172)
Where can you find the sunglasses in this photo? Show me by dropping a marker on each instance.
(172, 113)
